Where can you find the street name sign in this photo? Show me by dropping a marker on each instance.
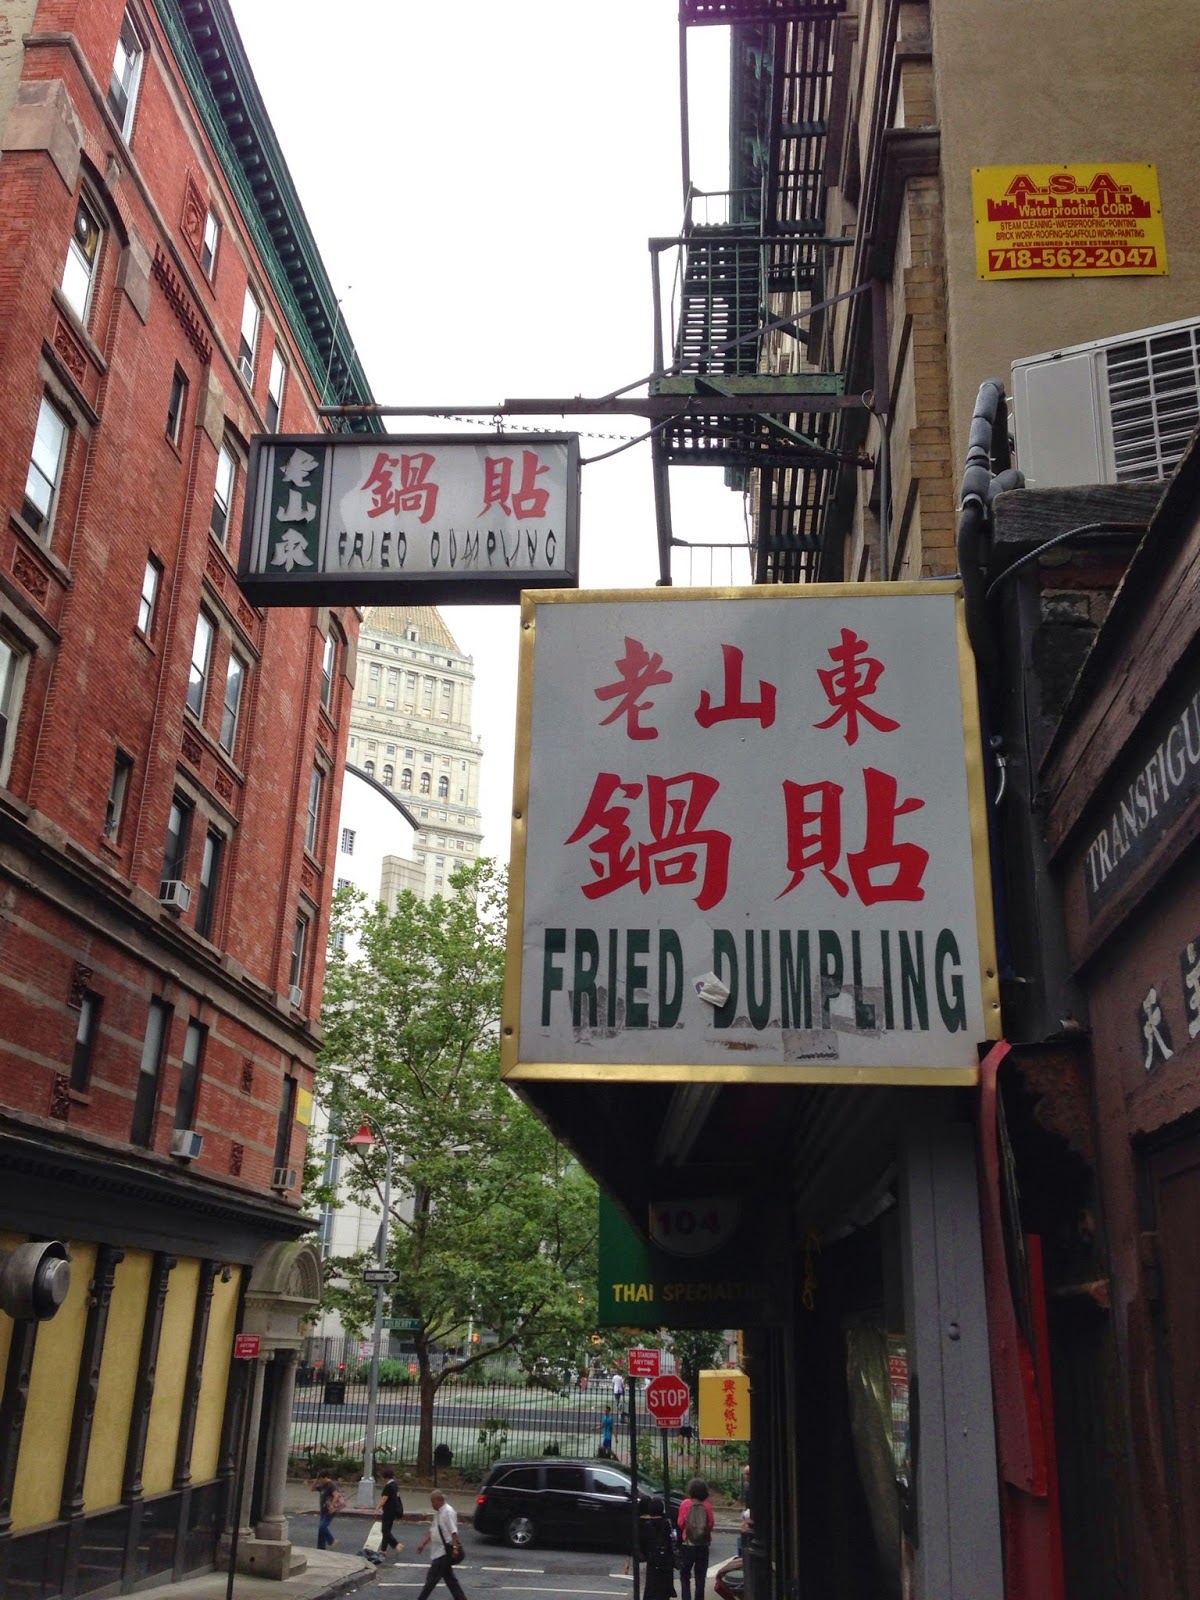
(434, 519)
(749, 839)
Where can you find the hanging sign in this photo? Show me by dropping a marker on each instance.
(1068, 222)
(749, 839)
(346, 519)
(724, 1407)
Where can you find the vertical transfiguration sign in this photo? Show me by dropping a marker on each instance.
(749, 839)
(343, 519)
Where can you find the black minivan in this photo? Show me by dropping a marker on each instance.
(561, 1502)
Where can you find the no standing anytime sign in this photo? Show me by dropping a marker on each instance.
(749, 839)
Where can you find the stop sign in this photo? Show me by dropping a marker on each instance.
(667, 1399)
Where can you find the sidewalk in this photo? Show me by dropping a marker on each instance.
(327, 1573)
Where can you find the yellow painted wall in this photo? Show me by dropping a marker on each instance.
(118, 1380)
(170, 1378)
(218, 1354)
(8, 1241)
(38, 1492)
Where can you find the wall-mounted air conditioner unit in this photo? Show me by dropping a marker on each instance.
(296, 996)
(186, 1143)
(175, 894)
(284, 1178)
(1118, 410)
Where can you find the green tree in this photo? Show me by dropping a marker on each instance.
(492, 1223)
(696, 1350)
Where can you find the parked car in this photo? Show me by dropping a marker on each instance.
(561, 1502)
(729, 1579)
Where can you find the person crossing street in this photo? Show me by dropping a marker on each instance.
(441, 1568)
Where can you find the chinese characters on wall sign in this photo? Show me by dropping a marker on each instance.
(761, 852)
(338, 519)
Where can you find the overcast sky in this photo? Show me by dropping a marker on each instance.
(482, 180)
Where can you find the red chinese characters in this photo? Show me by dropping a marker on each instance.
(735, 709)
(402, 483)
(883, 869)
(676, 846)
(527, 500)
(639, 671)
(847, 685)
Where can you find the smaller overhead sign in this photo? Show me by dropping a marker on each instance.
(383, 1275)
(644, 1363)
(667, 1399)
(724, 1407)
(1077, 221)
(336, 519)
(246, 1346)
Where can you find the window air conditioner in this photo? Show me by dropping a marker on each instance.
(1118, 410)
(187, 1143)
(175, 894)
(284, 1178)
(296, 996)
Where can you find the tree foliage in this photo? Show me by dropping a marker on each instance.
(492, 1224)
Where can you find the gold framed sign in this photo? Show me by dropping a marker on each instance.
(1089, 221)
(749, 839)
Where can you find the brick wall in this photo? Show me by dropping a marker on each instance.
(93, 682)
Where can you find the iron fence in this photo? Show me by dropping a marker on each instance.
(479, 1419)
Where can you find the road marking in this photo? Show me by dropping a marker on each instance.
(537, 1572)
(528, 1588)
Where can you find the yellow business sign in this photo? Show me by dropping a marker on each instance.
(724, 1406)
(1092, 221)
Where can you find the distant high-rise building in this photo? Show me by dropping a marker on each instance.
(410, 730)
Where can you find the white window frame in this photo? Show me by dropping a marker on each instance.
(148, 600)
(14, 660)
(276, 381)
(130, 54)
(348, 837)
(231, 715)
(210, 243)
(222, 505)
(118, 793)
(312, 823)
(80, 271)
(49, 419)
(174, 424)
(328, 669)
(201, 662)
(248, 336)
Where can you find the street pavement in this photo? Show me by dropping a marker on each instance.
(490, 1568)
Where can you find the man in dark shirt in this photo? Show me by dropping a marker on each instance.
(389, 1508)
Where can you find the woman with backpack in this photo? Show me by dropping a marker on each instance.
(695, 1536)
(657, 1549)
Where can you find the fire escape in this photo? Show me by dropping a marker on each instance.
(748, 290)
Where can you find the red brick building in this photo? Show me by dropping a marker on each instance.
(170, 774)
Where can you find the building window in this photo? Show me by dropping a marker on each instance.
(208, 250)
(198, 672)
(287, 1116)
(389, 776)
(85, 1040)
(425, 783)
(117, 790)
(427, 695)
(189, 1074)
(235, 679)
(443, 787)
(406, 780)
(299, 943)
(347, 841)
(126, 76)
(158, 1022)
(328, 664)
(45, 467)
(275, 390)
(210, 877)
(313, 824)
(427, 757)
(369, 768)
(223, 493)
(462, 795)
(248, 342)
(176, 406)
(179, 826)
(344, 883)
(12, 665)
(151, 579)
(79, 273)
(391, 750)
(408, 755)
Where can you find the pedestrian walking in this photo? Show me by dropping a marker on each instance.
(330, 1500)
(695, 1536)
(441, 1568)
(657, 1549)
(606, 1433)
(618, 1388)
(388, 1509)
